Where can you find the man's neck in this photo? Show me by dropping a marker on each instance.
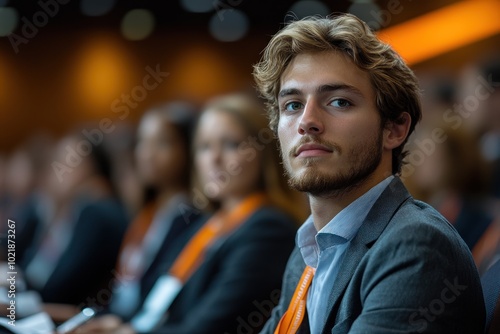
(325, 208)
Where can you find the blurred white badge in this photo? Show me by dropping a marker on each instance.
(157, 303)
(126, 298)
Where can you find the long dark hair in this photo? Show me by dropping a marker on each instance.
(182, 116)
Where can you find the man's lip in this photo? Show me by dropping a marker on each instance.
(312, 149)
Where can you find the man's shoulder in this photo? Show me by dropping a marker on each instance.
(419, 216)
(416, 225)
(401, 211)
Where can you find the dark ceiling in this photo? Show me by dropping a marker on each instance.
(263, 15)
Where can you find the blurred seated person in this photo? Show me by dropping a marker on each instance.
(23, 200)
(454, 179)
(231, 267)
(163, 164)
(487, 249)
(73, 258)
(490, 136)
(130, 186)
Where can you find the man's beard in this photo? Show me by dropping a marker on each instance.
(364, 160)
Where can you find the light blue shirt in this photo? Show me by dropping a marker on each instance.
(325, 249)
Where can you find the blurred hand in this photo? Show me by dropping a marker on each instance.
(108, 324)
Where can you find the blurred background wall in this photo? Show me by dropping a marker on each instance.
(77, 65)
(66, 62)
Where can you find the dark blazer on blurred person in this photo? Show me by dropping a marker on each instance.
(85, 266)
(234, 288)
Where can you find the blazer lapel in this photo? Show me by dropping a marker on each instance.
(376, 221)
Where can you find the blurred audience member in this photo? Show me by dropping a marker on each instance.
(455, 180)
(472, 84)
(439, 95)
(23, 199)
(488, 248)
(164, 165)
(73, 257)
(490, 140)
(3, 188)
(121, 144)
(234, 262)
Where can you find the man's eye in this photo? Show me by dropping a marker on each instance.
(293, 106)
(341, 103)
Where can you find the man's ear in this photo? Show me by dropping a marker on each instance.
(395, 132)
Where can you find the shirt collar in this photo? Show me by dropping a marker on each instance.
(342, 228)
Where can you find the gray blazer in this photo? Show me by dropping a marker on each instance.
(406, 271)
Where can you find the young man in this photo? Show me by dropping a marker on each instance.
(370, 258)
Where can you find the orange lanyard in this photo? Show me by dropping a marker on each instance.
(132, 241)
(292, 318)
(192, 255)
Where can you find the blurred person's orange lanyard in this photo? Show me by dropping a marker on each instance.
(219, 225)
(292, 318)
(167, 287)
(132, 242)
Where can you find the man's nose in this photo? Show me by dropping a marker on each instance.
(311, 121)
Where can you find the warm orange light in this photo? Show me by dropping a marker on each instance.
(8, 81)
(3, 80)
(444, 30)
(5, 77)
(201, 72)
(103, 74)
